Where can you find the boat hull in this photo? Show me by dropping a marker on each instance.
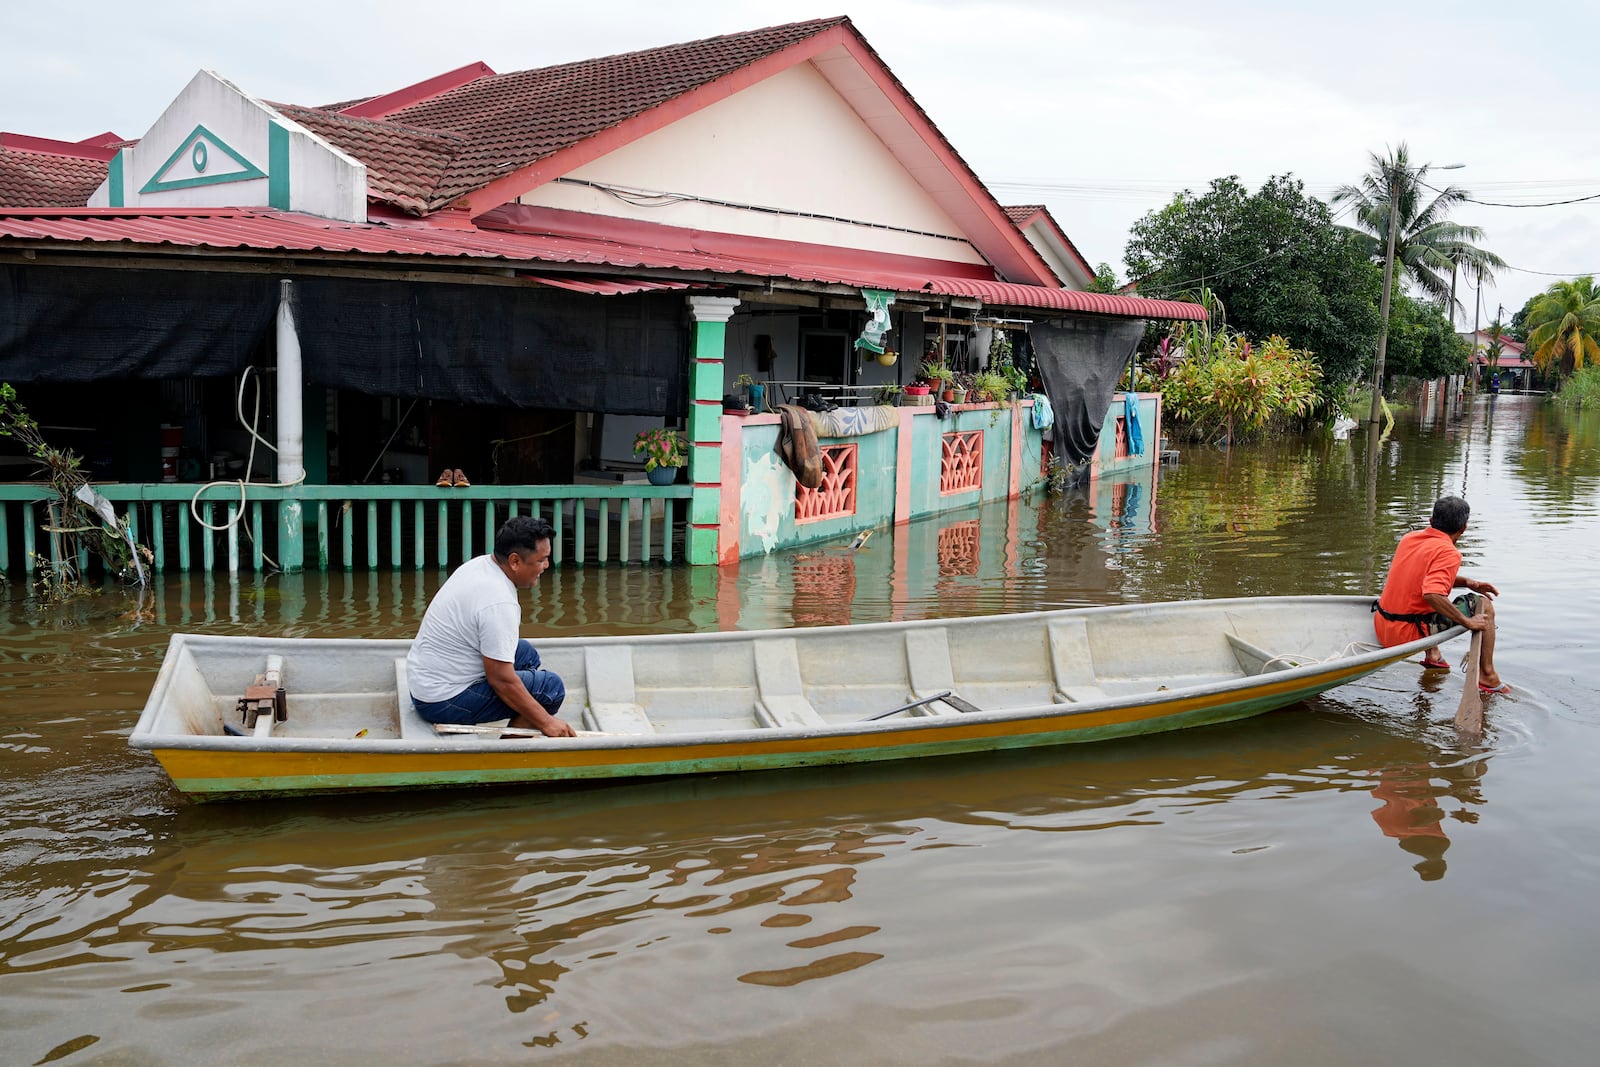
(663, 705)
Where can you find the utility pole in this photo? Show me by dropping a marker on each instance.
(1383, 313)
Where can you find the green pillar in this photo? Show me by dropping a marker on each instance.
(711, 315)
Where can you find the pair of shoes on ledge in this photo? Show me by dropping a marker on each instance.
(452, 479)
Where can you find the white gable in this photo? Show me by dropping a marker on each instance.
(790, 143)
(216, 146)
(1053, 252)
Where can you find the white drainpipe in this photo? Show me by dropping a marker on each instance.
(291, 427)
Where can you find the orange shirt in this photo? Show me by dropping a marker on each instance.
(1426, 561)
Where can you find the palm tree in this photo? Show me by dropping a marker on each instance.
(1564, 326)
(1428, 247)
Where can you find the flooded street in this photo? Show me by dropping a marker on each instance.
(1343, 881)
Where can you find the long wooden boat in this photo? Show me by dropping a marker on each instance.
(333, 715)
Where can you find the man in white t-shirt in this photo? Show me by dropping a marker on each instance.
(468, 664)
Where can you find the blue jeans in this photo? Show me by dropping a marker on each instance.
(479, 703)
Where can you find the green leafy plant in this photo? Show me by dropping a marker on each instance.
(74, 524)
(886, 394)
(990, 385)
(1232, 389)
(661, 447)
(935, 373)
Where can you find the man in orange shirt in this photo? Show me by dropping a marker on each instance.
(1416, 596)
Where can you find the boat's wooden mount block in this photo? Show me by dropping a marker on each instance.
(613, 703)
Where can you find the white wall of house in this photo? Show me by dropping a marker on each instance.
(1068, 269)
(212, 137)
(788, 142)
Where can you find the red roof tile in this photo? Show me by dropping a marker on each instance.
(475, 133)
(44, 179)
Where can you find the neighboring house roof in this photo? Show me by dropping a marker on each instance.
(1483, 339)
(1026, 215)
(524, 235)
(40, 172)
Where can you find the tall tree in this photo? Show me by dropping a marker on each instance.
(1428, 247)
(1564, 326)
(1422, 343)
(1278, 262)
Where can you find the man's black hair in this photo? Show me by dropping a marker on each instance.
(521, 534)
(1450, 514)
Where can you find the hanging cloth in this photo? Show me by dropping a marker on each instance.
(1080, 359)
(1130, 422)
(797, 444)
(872, 335)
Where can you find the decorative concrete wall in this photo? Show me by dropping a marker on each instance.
(900, 474)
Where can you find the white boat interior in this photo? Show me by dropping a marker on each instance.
(819, 679)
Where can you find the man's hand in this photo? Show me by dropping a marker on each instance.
(554, 727)
(1479, 621)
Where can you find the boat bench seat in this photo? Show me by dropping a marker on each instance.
(1254, 660)
(414, 727)
(613, 705)
(783, 704)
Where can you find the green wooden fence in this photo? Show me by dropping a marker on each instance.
(229, 527)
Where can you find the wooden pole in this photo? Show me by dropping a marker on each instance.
(1469, 714)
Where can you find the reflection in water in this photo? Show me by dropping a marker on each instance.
(1210, 895)
(1412, 814)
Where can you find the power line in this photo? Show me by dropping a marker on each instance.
(1494, 203)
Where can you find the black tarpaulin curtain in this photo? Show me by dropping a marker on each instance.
(470, 344)
(70, 324)
(479, 344)
(1080, 360)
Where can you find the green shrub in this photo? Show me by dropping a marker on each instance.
(1582, 389)
(1231, 389)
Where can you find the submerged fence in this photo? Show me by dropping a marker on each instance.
(228, 527)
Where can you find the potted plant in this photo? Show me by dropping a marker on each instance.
(664, 451)
(887, 394)
(754, 390)
(989, 385)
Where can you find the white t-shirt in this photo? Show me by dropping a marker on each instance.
(474, 614)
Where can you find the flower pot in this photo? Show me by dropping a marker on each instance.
(888, 358)
(662, 475)
(758, 397)
(952, 395)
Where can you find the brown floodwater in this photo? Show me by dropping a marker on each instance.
(1344, 881)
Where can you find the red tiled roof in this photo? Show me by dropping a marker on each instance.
(37, 172)
(477, 132)
(1023, 214)
(1507, 343)
(405, 166)
(706, 255)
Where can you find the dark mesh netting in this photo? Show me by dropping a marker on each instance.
(472, 344)
(67, 324)
(1080, 360)
(482, 344)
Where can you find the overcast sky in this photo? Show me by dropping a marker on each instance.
(1101, 111)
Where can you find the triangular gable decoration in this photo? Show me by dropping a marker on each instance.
(202, 158)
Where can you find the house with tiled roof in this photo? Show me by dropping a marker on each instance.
(1052, 243)
(511, 274)
(1500, 355)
